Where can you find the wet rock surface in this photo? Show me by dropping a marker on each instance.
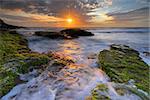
(146, 53)
(122, 63)
(113, 91)
(19, 64)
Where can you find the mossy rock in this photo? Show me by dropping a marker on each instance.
(102, 92)
(7, 80)
(122, 64)
(16, 58)
(123, 89)
(11, 44)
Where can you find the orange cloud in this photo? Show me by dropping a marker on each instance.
(36, 18)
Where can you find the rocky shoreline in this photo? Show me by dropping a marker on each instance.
(16, 59)
(121, 63)
(124, 67)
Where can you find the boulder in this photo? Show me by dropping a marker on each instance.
(52, 35)
(76, 32)
(102, 92)
(64, 34)
(92, 56)
(123, 48)
(146, 53)
(122, 63)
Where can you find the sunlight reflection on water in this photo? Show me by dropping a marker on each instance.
(70, 47)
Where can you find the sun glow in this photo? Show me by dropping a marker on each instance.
(69, 20)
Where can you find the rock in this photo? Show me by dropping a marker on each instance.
(102, 92)
(146, 53)
(123, 89)
(123, 48)
(64, 34)
(4, 26)
(122, 63)
(15, 59)
(76, 32)
(92, 56)
(52, 35)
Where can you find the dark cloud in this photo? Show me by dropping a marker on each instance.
(54, 7)
(16, 17)
(84, 10)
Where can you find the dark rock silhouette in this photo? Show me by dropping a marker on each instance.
(76, 32)
(65, 34)
(5, 26)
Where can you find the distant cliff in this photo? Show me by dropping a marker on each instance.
(4, 25)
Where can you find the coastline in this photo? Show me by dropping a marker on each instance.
(23, 53)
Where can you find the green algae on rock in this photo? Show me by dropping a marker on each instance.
(123, 89)
(9, 46)
(102, 92)
(16, 59)
(122, 63)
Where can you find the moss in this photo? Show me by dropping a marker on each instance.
(100, 92)
(7, 78)
(121, 66)
(15, 58)
(102, 87)
(31, 61)
(122, 89)
(10, 45)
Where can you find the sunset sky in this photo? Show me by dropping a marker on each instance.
(75, 13)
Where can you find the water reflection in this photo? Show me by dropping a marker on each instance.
(70, 47)
(79, 77)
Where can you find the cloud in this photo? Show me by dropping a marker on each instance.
(137, 14)
(20, 17)
(137, 17)
(87, 11)
(55, 7)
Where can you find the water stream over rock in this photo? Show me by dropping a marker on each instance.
(73, 82)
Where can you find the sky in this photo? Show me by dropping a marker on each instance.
(82, 13)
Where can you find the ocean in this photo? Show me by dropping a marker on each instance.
(136, 38)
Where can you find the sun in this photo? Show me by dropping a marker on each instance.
(69, 20)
